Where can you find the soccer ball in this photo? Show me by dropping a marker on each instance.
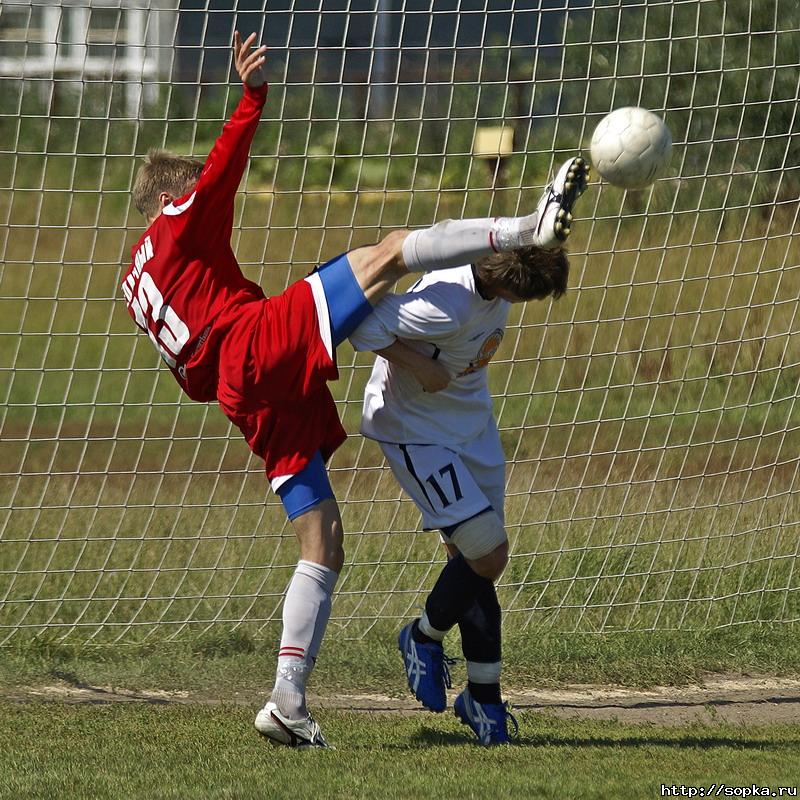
(630, 147)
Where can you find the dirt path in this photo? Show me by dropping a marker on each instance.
(737, 700)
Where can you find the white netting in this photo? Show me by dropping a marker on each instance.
(650, 417)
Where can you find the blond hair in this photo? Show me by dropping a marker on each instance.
(163, 171)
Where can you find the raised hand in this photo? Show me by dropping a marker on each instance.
(249, 63)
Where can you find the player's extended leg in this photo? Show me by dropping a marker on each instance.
(453, 243)
(374, 269)
(312, 509)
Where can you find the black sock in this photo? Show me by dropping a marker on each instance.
(480, 627)
(452, 594)
(485, 692)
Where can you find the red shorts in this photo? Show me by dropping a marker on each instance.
(273, 374)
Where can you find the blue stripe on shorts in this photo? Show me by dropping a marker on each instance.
(347, 305)
(306, 489)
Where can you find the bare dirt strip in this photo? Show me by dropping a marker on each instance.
(737, 700)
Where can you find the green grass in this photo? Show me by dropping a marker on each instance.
(109, 565)
(650, 419)
(224, 666)
(650, 416)
(52, 750)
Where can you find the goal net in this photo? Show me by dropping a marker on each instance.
(650, 417)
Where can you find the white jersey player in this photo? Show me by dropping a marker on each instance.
(450, 321)
(432, 416)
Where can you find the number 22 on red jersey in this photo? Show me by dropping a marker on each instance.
(166, 329)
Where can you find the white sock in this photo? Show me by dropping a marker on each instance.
(428, 629)
(306, 610)
(456, 242)
(483, 673)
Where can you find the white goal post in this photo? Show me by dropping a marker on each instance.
(650, 417)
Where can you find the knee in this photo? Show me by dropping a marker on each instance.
(330, 554)
(491, 565)
(377, 266)
(393, 241)
(336, 559)
(320, 534)
(483, 543)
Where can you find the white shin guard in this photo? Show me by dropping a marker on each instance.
(478, 536)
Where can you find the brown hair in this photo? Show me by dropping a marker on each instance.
(531, 273)
(163, 172)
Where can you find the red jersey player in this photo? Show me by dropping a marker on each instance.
(266, 361)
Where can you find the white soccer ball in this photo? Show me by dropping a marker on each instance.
(631, 147)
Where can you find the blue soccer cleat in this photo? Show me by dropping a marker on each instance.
(426, 670)
(489, 721)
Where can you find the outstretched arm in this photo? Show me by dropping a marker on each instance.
(211, 203)
(431, 374)
(249, 64)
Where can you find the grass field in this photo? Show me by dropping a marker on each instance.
(186, 727)
(652, 428)
(650, 420)
(650, 417)
(176, 752)
(219, 665)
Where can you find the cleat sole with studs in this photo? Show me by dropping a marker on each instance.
(574, 187)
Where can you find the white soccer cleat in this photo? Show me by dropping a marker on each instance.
(300, 733)
(554, 212)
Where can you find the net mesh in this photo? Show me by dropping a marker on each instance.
(649, 417)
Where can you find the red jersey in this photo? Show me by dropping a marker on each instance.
(184, 281)
(263, 359)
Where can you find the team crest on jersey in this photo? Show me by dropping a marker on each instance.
(486, 352)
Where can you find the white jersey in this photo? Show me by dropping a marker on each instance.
(450, 321)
